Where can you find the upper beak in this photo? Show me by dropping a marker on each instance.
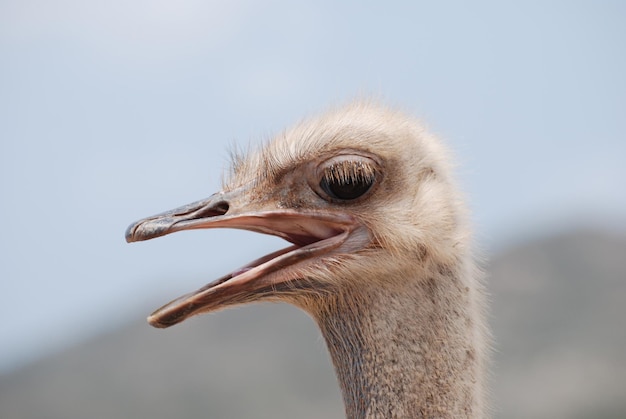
(225, 210)
(313, 233)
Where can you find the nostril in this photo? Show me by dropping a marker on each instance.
(220, 208)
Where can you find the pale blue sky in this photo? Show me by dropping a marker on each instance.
(112, 111)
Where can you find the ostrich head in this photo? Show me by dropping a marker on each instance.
(379, 256)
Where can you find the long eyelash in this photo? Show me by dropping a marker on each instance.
(350, 171)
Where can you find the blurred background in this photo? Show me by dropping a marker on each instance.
(113, 111)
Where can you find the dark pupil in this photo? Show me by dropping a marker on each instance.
(346, 190)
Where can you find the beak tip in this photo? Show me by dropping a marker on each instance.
(154, 322)
(149, 228)
(130, 233)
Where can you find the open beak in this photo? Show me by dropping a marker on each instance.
(314, 234)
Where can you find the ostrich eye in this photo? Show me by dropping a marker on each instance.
(347, 180)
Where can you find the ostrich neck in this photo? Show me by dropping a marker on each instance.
(410, 352)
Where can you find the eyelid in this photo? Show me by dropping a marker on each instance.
(347, 161)
(349, 170)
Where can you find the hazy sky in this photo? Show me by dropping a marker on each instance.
(112, 111)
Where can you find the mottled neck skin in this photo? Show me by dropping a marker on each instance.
(408, 351)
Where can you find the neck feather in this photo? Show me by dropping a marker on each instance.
(414, 349)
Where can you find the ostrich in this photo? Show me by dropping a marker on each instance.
(380, 258)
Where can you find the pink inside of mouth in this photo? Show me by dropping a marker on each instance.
(300, 240)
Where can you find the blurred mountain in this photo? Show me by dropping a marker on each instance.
(559, 320)
(558, 314)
